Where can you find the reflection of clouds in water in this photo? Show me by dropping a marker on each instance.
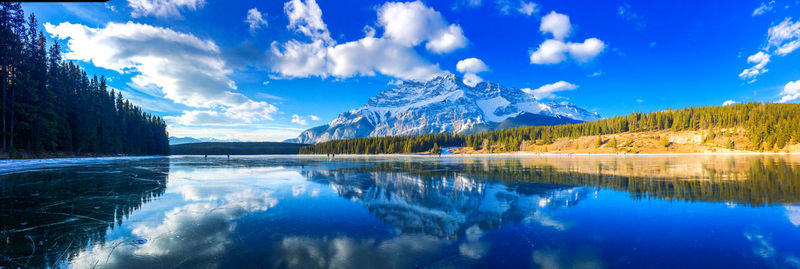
(793, 213)
(763, 248)
(761, 245)
(472, 247)
(343, 252)
(297, 190)
(191, 235)
(553, 259)
(546, 221)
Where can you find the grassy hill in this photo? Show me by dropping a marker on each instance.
(235, 148)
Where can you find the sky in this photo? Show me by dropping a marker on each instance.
(267, 70)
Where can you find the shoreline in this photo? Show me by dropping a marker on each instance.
(505, 154)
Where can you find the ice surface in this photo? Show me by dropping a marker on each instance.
(16, 166)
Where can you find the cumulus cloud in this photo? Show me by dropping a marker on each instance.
(406, 25)
(551, 51)
(782, 39)
(313, 117)
(255, 19)
(548, 91)
(306, 18)
(471, 67)
(586, 51)
(763, 8)
(556, 24)
(186, 69)
(760, 60)
(298, 119)
(555, 50)
(411, 23)
(729, 102)
(790, 92)
(163, 8)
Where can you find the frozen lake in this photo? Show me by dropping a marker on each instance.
(696, 211)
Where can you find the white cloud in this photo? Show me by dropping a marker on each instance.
(306, 18)
(760, 60)
(313, 117)
(186, 69)
(471, 67)
(392, 55)
(547, 91)
(784, 37)
(586, 51)
(528, 8)
(471, 79)
(729, 102)
(790, 92)
(556, 24)
(299, 120)
(411, 23)
(763, 8)
(163, 8)
(551, 51)
(554, 51)
(255, 19)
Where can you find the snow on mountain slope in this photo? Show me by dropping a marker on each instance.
(443, 104)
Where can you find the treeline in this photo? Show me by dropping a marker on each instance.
(235, 148)
(51, 105)
(768, 125)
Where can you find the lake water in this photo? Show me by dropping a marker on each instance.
(700, 211)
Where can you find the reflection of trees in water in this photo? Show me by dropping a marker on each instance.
(50, 216)
(757, 182)
(753, 181)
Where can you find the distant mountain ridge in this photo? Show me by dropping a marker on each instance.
(175, 140)
(444, 104)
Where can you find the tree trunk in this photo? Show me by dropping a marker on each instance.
(12, 119)
(4, 76)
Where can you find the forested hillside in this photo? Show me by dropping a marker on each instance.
(768, 126)
(50, 105)
(235, 148)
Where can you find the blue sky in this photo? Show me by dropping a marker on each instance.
(266, 70)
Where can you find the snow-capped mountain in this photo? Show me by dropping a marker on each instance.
(444, 104)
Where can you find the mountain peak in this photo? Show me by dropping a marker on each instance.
(443, 104)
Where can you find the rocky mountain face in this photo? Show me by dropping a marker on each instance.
(444, 104)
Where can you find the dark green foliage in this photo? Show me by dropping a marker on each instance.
(767, 125)
(235, 148)
(50, 105)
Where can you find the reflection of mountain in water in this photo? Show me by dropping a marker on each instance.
(443, 198)
(446, 205)
(49, 216)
